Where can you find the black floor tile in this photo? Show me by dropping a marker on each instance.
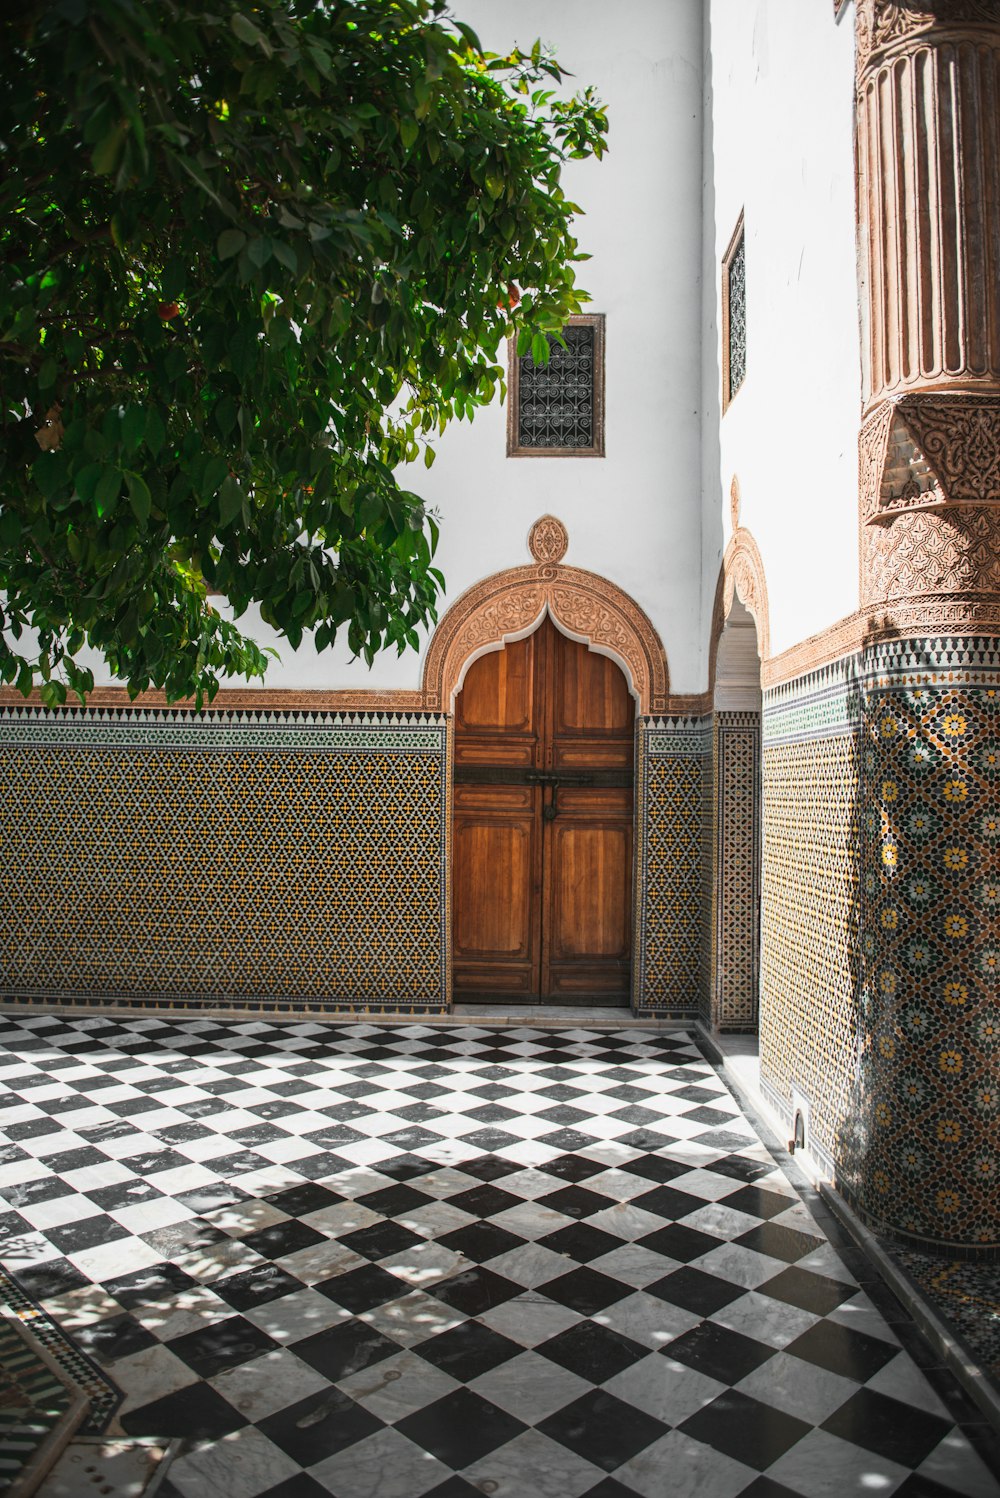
(318, 1426)
(581, 1242)
(90, 1232)
(45, 1189)
(460, 1428)
(887, 1426)
(486, 1200)
(362, 1289)
(758, 1202)
(694, 1290)
(609, 1487)
(299, 1201)
(113, 1337)
(51, 1277)
(283, 1238)
(160, 1282)
(222, 1344)
(480, 1241)
(197, 1413)
(476, 1290)
(779, 1242)
(680, 1242)
(594, 1352)
(602, 1429)
(576, 1201)
(380, 1240)
(742, 1169)
(211, 1196)
(719, 1352)
(455, 1487)
(656, 1168)
(585, 1290)
(256, 1286)
(123, 1194)
(485, 1167)
(842, 1350)
(668, 1202)
(469, 1350)
(808, 1291)
(745, 1429)
(342, 1350)
(301, 1485)
(766, 1487)
(391, 1201)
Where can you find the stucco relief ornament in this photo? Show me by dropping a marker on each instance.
(880, 23)
(548, 541)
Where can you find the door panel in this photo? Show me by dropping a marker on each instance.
(543, 825)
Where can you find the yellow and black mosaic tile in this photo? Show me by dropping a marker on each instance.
(673, 816)
(735, 870)
(882, 930)
(233, 860)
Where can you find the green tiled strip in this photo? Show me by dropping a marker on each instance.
(48, 1387)
(37, 1409)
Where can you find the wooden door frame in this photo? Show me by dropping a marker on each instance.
(510, 605)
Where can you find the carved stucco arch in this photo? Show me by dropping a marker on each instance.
(742, 576)
(509, 604)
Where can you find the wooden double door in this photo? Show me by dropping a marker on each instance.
(542, 852)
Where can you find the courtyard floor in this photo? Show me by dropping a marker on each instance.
(412, 1262)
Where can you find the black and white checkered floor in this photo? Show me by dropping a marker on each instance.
(421, 1263)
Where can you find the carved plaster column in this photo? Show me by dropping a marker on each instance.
(929, 203)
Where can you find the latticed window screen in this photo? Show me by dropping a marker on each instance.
(556, 406)
(737, 317)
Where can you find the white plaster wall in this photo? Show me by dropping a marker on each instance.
(779, 86)
(633, 516)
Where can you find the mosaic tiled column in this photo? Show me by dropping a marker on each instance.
(924, 1143)
(928, 1151)
(673, 863)
(735, 870)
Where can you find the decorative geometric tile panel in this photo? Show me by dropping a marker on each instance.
(673, 865)
(238, 858)
(808, 1020)
(736, 870)
(882, 905)
(930, 961)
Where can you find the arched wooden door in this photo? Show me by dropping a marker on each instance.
(542, 891)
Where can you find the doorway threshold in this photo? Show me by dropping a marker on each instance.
(562, 1017)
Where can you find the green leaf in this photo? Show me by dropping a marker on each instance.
(540, 349)
(247, 31)
(108, 151)
(156, 433)
(230, 500)
(408, 131)
(229, 243)
(11, 527)
(139, 498)
(133, 427)
(107, 490)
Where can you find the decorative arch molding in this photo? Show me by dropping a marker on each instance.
(509, 604)
(741, 576)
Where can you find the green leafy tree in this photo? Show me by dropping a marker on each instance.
(253, 261)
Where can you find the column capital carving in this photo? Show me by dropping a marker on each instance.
(885, 25)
